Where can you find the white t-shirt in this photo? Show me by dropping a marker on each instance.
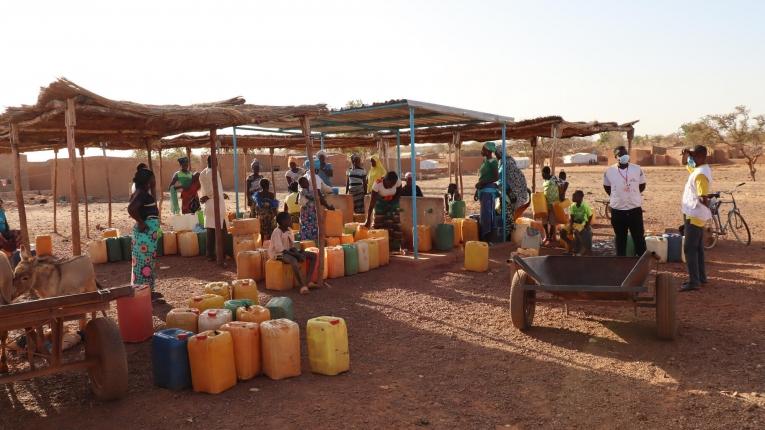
(323, 187)
(294, 175)
(380, 189)
(280, 242)
(625, 186)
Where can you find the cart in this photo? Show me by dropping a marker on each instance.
(621, 281)
(105, 358)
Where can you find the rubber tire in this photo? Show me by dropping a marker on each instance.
(518, 305)
(666, 313)
(109, 378)
(731, 220)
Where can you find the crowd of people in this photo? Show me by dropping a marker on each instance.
(623, 182)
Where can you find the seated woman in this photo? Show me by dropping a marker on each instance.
(10, 240)
(266, 207)
(385, 202)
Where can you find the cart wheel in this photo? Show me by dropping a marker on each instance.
(666, 298)
(522, 302)
(109, 375)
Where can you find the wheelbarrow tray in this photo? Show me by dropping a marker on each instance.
(587, 278)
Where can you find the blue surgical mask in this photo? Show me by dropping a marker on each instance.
(624, 159)
(691, 162)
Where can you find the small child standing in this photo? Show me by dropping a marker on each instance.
(563, 183)
(292, 203)
(282, 248)
(580, 225)
(266, 207)
(451, 196)
(551, 188)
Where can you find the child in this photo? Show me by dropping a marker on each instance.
(563, 184)
(551, 187)
(580, 225)
(292, 203)
(451, 196)
(266, 206)
(282, 248)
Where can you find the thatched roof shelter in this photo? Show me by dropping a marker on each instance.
(127, 125)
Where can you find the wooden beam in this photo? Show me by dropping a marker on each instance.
(273, 177)
(17, 186)
(108, 182)
(70, 121)
(85, 192)
(219, 245)
(533, 142)
(55, 190)
(161, 188)
(306, 126)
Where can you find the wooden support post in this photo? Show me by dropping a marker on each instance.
(159, 182)
(449, 158)
(188, 155)
(554, 134)
(630, 136)
(147, 145)
(533, 142)
(108, 182)
(458, 142)
(85, 192)
(17, 186)
(273, 177)
(219, 245)
(55, 190)
(70, 120)
(306, 125)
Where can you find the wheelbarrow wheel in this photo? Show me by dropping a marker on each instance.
(109, 373)
(666, 298)
(522, 302)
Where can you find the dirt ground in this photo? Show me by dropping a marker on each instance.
(438, 349)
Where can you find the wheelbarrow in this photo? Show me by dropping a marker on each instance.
(621, 281)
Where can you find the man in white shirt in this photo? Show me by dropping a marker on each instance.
(206, 191)
(624, 183)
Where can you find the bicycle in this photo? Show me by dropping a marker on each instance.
(735, 222)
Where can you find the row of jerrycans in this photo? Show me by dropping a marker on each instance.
(213, 360)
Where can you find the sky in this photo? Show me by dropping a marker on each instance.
(662, 62)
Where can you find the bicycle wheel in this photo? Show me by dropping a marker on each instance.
(711, 234)
(739, 228)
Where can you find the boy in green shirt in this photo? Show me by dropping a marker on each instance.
(580, 221)
(551, 188)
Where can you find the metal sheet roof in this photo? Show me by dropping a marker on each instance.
(391, 115)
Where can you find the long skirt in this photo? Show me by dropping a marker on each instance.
(309, 226)
(487, 213)
(145, 254)
(357, 192)
(388, 217)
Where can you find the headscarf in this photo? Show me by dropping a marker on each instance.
(183, 160)
(255, 163)
(375, 173)
(355, 156)
(491, 146)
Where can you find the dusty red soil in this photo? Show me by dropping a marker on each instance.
(435, 347)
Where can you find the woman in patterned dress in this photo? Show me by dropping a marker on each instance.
(143, 209)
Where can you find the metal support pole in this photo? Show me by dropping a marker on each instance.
(504, 183)
(398, 151)
(415, 238)
(321, 141)
(236, 173)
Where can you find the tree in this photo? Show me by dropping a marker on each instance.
(737, 129)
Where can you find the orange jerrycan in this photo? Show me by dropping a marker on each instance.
(211, 356)
(279, 276)
(246, 337)
(280, 344)
(255, 313)
(219, 288)
(245, 289)
(183, 318)
(203, 302)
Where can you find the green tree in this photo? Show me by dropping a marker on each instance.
(737, 129)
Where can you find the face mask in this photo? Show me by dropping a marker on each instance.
(691, 162)
(624, 159)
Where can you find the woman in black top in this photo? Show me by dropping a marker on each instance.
(143, 209)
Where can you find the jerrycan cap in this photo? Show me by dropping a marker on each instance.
(198, 298)
(200, 337)
(182, 336)
(212, 313)
(334, 322)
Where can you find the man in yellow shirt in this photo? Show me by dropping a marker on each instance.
(695, 206)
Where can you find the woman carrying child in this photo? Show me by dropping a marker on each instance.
(282, 248)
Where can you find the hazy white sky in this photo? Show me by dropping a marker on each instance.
(663, 62)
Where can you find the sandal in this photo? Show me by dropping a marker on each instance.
(304, 290)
